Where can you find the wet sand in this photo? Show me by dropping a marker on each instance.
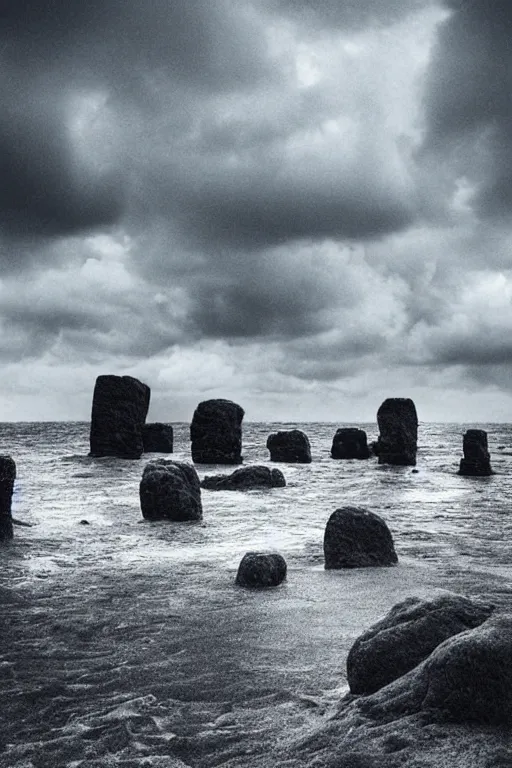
(154, 667)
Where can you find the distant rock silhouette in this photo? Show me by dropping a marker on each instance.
(170, 490)
(350, 443)
(157, 438)
(290, 446)
(7, 478)
(398, 426)
(466, 679)
(476, 461)
(261, 569)
(119, 408)
(357, 538)
(216, 432)
(406, 636)
(245, 478)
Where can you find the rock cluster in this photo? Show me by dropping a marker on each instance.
(7, 478)
(157, 438)
(398, 426)
(357, 538)
(170, 490)
(216, 432)
(476, 461)
(350, 443)
(406, 636)
(290, 446)
(257, 476)
(261, 569)
(119, 408)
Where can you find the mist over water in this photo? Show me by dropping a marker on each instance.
(127, 641)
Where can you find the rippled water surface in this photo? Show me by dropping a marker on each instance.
(126, 642)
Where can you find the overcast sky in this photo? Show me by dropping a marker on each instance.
(301, 205)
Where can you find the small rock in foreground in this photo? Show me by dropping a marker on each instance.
(261, 569)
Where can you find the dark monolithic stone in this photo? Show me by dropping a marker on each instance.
(350, 443)
(291, 446)
(216, 432)
(157, 438)
(245, 478)
(398, 427)
(170, 490)
(357, 538)
(476, 461)
(7, 478)
(119, 408)
(406, 636)
(261, 569)
(466, 679)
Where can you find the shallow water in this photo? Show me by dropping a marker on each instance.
(127, 641)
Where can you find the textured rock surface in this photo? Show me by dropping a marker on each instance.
(467, 678)
(357, 538)
(398, 426)
(244, 478)
(476, 461)
(157, 438)
(261, 569)
(119, 408)
(170, 490)
(350, 443)
(7, 478)
(289, 445)
(406, 636)
(216, 432)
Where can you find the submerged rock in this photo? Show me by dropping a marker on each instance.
(216, 432)
(157, 438)
(398, 426)
(476, 461)
(406, 636)
(261, 569)
(119, 408)
(357, 538)
(170, 490)
(242, 479)
(350, 443)
(290, 446)
(7, 478)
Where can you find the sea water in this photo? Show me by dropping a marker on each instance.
(126, 642)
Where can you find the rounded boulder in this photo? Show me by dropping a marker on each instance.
(170, 490)
(357, 538)
(290, 446)
(261, 569)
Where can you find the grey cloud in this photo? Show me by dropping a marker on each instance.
(469, 118)
(346, 14)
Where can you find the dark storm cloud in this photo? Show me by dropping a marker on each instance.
(50, 52)
(469, 113)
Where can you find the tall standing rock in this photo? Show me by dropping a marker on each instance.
(7, 478)
(216, 432)
(357, 538)
(398, 426)
(157, 438)
(350, 443)
(476, 461)
(119, 408)
(289, 445)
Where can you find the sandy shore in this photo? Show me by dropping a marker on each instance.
(155, 667)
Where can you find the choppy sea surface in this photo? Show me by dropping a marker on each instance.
(126, 643)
